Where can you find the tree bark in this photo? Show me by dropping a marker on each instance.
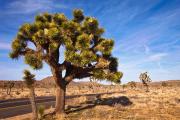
(60, 91)
(33, 103)
(60, 99)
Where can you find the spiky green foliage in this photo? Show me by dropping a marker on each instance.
(29, 78)
(41, 111)
(86, 52)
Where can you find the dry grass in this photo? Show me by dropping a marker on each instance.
(129, 104)
(154, 105)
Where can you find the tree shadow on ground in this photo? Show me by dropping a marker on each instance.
(122, 100)
(95, 94)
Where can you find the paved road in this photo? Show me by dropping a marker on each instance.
(13, 107)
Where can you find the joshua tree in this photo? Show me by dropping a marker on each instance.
(132, 84)
(30, 80)
(145, 80)
(86, 52)
(9, 86)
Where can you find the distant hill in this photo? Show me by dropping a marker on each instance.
(50, 80)
(159, 83)
(169, 82)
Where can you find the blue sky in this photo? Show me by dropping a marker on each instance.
(146, 33)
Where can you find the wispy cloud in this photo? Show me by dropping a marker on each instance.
(31, 6)
(157, 56)
(149, 31)
(5, 46)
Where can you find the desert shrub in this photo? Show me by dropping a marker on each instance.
(41, 111)
(132, 84)
(164, 84)
(17, 92)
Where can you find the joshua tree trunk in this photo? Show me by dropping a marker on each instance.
(60, 99)
(33, 103)
(60, 92)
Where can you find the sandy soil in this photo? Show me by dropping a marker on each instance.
(161, 103)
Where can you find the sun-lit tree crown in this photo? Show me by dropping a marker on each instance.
(86, 50)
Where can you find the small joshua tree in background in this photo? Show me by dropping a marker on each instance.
(145, 80)
(30, 80)
(9, 87)
(132, 84)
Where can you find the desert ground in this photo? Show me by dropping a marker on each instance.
(116, 102)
